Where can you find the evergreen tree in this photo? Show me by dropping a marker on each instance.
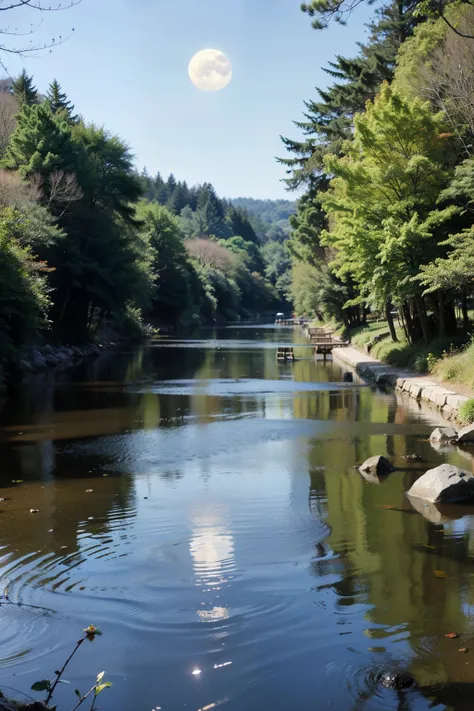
(24, 90)
(328, 119)
(59, 102)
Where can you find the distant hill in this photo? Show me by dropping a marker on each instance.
(270, 217)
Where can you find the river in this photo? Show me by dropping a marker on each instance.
(198, 502)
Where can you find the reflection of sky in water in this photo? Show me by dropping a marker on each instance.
(212, 550)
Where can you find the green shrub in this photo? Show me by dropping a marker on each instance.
(466, 411)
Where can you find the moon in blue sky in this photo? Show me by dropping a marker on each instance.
(210, 70)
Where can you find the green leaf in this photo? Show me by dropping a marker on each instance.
(41, 685)
(78, 693)
(103, 686)
(100, 677)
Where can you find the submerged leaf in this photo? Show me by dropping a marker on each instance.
(440, 574)
(452, 635)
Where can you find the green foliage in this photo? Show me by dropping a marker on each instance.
(59, 102)
(24, 298)
(382, 202)
(24, 90)
(466, 411)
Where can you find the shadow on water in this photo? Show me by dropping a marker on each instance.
(198, 500)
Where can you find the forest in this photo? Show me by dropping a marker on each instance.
(386, 161)
(88, 246)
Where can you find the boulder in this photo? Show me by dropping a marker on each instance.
(443, 434)
(466, 434)
(444, 484)
(378, 466)
(52, 360)
(26, 367)
(38, 362)
(348, 377)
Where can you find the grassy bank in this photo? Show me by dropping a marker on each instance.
(449, 359)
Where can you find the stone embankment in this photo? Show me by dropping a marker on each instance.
(47, 357)
(418, 387)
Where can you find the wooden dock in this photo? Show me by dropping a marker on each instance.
(324, 340)
(291, 321)
(285, 353)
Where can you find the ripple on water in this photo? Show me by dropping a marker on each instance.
(363, 684)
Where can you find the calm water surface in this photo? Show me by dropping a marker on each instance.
(228, 534)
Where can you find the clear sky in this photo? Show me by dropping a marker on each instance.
(125, 66)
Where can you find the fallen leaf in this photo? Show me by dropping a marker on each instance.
(452, 635)
(34, 510)
(440, 574)
(427, 545)
(89, 491)
(464, 650)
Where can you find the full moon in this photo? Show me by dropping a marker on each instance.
(210, 70)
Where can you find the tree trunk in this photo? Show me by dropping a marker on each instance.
(389, 318)
(408, 321)
(441, 314)
(465, 315)
(423, 317)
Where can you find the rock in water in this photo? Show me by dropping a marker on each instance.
(443, 434)
(444, 484)
(396, 680)
(378, 465)
(466, 435)
(348, 377)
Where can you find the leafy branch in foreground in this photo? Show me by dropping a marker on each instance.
(49, 685)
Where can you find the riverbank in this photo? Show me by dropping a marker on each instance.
(448, 401)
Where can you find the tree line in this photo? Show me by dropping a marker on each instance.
(88, 245)
(387, 163)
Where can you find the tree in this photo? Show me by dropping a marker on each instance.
(24, 90)
(8, 111)
(210, 254)
(175, 297)
(327, 121)
(24, 296)
(59, 102)
(382, 203)
(323, 12)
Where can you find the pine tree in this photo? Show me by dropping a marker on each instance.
(328, 119)
(59, 102)
(24, 90)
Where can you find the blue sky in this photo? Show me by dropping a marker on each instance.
(125, 66)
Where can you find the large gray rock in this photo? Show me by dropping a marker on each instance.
(443, 434)
(26, 367)
(39, 363)
(444, 484)
(466, 435)
(52, 360)
(376, 466)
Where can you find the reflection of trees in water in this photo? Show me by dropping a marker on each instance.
(387, 558)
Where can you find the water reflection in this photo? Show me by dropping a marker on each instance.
(228, 533)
